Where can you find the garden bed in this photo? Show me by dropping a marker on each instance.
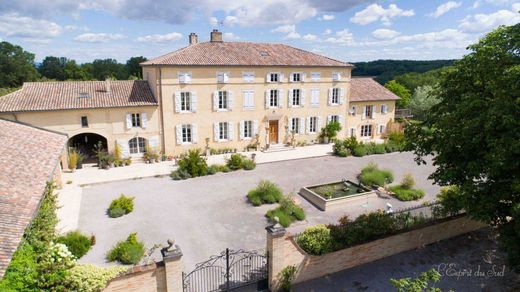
(336, 194)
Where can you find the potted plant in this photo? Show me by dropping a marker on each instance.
(329, 132)
(73, 160)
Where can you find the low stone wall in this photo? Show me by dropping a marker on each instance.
(283, 250)
(150, 278)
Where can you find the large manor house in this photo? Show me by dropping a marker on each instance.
(210, 94)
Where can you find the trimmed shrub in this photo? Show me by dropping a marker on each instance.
(91, 278)
(249, 164)
(129, 251)
(121, 206)
(392, 147)
(371, 175)
(212, 169)
(266, 192)
(193, 163)
(224, 168)
(405, 194)
(77, 243)
(370, 148)
(339, 149)
(236, 161)
(359, 151)
(315, 240)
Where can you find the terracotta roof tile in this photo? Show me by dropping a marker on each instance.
(28, 157)
(48, 96)
(243, 54)
(367, 89)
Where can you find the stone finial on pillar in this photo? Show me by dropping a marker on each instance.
(173, 265)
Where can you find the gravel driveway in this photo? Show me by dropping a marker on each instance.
(207, 214)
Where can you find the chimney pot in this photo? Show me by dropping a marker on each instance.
(107, 85)
(216, 36)
(193, 38)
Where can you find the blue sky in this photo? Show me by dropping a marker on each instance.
(349, 30)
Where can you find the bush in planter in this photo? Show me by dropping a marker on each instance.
(129, 251)
(286, 277)
(121, 206)
(77, 243)
(371, 175)
(266, 192)
(193, 163)
(315, 240)
(91, 278)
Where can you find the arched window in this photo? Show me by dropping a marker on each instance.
(137, 145)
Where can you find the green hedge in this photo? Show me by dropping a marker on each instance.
(193, 164)
(350, 146)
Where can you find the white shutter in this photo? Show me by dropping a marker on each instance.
(231, 100)
(364, 113)
(304, 75)
(267, 98)
(251, 99)
(290, 98)
(281, 77)
(231, 131)
(177, 102)
(290, 126)
(153, 142)
(215, 131)
(315, 97)
(182, 77)
(329, 117)
(215, 100)
(178, 134)
(373, 111)
(255, 128)
(308, 125)
(301, 126)
(125, 148)
(291, 77)
(220, 77)
(302, 98)
(194, 134)
(341, 121)
(188, 77)
(128, 121)
(193, 101)
(241, 130)
(144, 120)
(268, 77)
(318, 124)
(341, 96)
(329, 96)
(384, 109)
(280, 98)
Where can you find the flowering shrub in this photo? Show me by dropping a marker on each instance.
(91, 278)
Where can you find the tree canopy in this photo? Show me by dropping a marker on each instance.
(400, 91)
(133, 68)
(474, 132)
(16, 65)
(423, 99)
(413, 80)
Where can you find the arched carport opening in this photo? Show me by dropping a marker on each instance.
(85, 143)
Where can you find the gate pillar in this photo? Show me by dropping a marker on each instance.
(173, 267)
(276, 254)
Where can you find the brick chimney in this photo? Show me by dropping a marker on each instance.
(216, 36)
(193, 38)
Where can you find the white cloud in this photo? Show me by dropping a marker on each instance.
(376, 12)
(15, 25)
(327, 17)
(342, 37)
(444, 8)
(98, 37)
(292, 35)
(327, 31)
(486, 22)
(384, 33)
(213, 21)
(310, 37)
(229, 36)
(289, 30)
(160, 38)
(75, 27)
(516, 7)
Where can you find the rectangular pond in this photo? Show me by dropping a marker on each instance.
(336, 194)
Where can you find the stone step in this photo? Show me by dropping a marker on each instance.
(278, 148)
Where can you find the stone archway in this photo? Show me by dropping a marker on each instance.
(85, 143)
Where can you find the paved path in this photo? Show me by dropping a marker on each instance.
(207, 214)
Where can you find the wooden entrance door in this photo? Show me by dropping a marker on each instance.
(273, 132)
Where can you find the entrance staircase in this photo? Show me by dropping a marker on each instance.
(278, 148)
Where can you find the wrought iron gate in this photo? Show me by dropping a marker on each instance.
(227, 271)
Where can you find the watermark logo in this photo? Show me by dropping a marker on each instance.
(453, 270)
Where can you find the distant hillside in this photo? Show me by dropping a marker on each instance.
(385, 70)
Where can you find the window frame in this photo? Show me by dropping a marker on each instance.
(223, 100)
(313, 125)
(248, 130)
(140, 149)
(277, 77)
(136, 120)
(273, 98)
(300, 76)
(296, 97)
(295, 122)
(368, 109)
(334, 118)
(186, 75)
(314, 78)
(185, 101)
(84, 121)
(366, 131)
(248, 77)
(223, 131)
(186, 134)
(335, 96)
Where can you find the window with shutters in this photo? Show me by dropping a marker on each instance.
(223, 102)
(137, 145)
(296, 77)
(248, 129)
(336, 76)
(273, 98)
(381, 129)
(187, 134)
(313, 124)
(248, 76)
(295, 125)
(335, 96)
(384, 109)
(334, 119)
(84, 122)
(366, 131)
(368, 111)
(249, 100)
(184, 77)
(315, 76)
(222, 77)
(185, 102)
(274, 77)
(315, 97)
(136, 120)
(296, 99)
(223, 131)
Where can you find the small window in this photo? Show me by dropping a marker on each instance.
(185, 102)
(335, 96)
(380, 129)
(274, 77)
(352, 132)
(222, 100)
(384, 109)
(336, 76)
(248, 129)
(186, 134)
(136, 120)
(273, 98)
(296, 97)
(296, 77)
(223, 131)
(368, 111)
(313, 124)
(184, 77)
(248, 76)
(84, 122)
(315, 76)
(366, 131)
(334, 119)
(222, 77)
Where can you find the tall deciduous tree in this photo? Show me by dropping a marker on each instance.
(16, 65)
(107, 68)
(474, 133)
(400, 91)
(423, 99)
(133, 68)
(53, 68)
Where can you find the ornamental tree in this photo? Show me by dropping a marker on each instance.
(474, 132)
(400, 91)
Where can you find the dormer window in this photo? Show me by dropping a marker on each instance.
(184, 77)
(84, 95)
(264, 54)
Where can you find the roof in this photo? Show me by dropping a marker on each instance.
(367, 89)
(28, 158)
(243, 54)
(65, 95)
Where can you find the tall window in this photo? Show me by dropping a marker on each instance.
(248, 129)
(274, 77)
(368, 111)
(366, 131)
(187, 134)
(384, 109)
(222, 100)
(296, 97)
(84, 122)
(136, 120)
(223, 131)
(273, 98)
(249, 100)
(334, 118)
(185, 102)
(313, 124)
(137, 145)
(335, 96)
(295, 125)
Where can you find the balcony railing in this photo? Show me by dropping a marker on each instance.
(403, 113)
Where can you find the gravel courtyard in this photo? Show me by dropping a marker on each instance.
(207, 214)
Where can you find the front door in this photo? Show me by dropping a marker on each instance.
(273, 132)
